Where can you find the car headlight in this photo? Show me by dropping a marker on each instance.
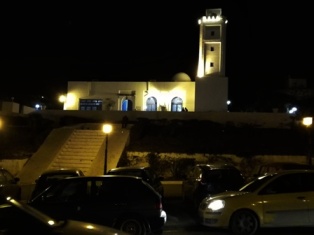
(216, 205)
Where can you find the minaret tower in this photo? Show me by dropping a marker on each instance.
(211, 83)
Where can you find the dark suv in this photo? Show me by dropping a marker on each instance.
(145, 172)
(124, 202)
(208, 179)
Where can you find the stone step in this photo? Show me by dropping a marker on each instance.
(73, 151)
(80, 150)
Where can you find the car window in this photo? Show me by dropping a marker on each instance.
(196, 173)
(285, 184)
(308, 182)
(144, 174)
(70, 191)
(212, 175)
(256, 183)
(109, 190)
(150, 176)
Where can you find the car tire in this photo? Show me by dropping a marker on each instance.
(132, 226)
(244, 222)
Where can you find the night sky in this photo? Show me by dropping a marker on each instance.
(44, 46)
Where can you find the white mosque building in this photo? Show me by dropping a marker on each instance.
(208, 91)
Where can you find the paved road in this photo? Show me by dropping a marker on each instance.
(182, 221)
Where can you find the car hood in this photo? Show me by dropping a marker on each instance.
(73, 227)
(227, 194)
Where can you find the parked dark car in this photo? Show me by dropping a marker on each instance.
(127, 203)
(48, 177)
(203, 180)
(17, 218)
(145, 172)
(9, 184)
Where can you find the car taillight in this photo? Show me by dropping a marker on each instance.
(159, 205)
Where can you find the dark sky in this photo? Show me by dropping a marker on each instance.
(44, 46)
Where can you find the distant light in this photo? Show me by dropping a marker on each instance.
(228, 102)
(307, 121)
(38, 106)
(293, 110)
(51, 222)
(89, 226)
(211, 19)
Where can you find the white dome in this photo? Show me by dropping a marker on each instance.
(181, 77)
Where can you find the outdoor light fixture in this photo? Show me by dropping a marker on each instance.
(106, 128)
(307, 122)
(62, 98)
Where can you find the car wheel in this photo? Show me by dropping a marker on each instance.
(132, 226)
(244, 222)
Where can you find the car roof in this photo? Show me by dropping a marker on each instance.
(62, 171)
(101, 177)
(130, 168)
(288, 164)
(216, 166)
(282, 172)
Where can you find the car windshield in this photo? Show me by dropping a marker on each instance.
(256, 183)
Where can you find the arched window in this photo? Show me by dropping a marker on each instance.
(176, 104)
(151, 104)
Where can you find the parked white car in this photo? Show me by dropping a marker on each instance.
(284, 199)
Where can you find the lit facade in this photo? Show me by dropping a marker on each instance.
(208, 91)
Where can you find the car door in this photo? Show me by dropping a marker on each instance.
(64, 200)
(191, 182)
(284, 202)
(307, 182)
(109, 199)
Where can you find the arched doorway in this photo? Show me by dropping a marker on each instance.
(127, 105)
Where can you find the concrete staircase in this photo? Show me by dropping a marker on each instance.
(80, 150)
(79, 147)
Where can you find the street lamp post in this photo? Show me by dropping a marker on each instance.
(307, 122)
(106, 128)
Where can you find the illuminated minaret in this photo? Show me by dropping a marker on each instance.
(211, 83)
